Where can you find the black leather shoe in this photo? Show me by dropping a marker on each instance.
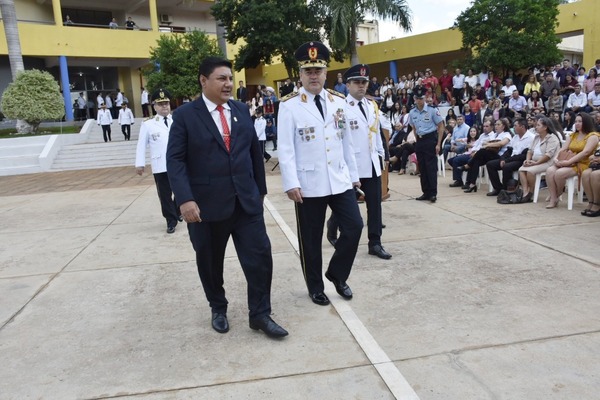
(180, 218)
(319, 298)
(457, 184)
(340, 286)
(378, 251)
(422, 197)
(466, 186)
(219, 322)
(493, 193)
(170, 229)
(268, 326)
(433, 199)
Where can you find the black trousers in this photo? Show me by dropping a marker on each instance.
(482, 157)
(427, 158)
(372, 189)
(145, 112)
(253, 248)
(126, 129)
(266, 155)
(167, 204)
(507, 171)
(310, 217)
(106, 132)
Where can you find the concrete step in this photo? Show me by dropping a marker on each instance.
(96, 155)
(26, 169)
(25, 150)
(19, 161)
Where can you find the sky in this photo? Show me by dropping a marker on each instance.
(427, 16)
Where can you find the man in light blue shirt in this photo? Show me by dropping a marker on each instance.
(517, 105)
(341, 87)
(458, 141)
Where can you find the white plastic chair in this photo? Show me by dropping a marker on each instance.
(441, 161)
(538, 182)
(572, 183)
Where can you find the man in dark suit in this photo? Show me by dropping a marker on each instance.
(216, 171)
(242, 92)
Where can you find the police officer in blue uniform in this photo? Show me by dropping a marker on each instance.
(428, 125)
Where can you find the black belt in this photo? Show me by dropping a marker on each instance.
(425, 134)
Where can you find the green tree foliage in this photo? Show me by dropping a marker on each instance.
(175, 62)
(34, 96)
(340, 19)
(510, 34)
(269, 28)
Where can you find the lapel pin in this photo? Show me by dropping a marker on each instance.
(235, 119)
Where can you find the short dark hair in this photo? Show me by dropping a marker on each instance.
(520, 121)
(209, 64)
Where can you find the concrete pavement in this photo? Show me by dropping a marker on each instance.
(480, 301)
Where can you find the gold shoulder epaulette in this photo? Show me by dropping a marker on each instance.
(289, 96)
(336, 93)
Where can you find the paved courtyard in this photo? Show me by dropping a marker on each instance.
(480, 301)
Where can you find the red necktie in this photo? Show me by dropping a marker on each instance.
(226, 133)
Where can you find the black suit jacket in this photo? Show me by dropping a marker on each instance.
(201, 169)
(242, 94)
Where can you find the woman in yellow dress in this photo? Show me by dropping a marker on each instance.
(581, 143)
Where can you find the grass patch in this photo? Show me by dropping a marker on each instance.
(10, 133)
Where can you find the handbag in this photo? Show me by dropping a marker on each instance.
(565, 155)
(510, 197)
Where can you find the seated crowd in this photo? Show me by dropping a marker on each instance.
(548, 123)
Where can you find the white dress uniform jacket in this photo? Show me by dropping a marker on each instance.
(154, 133)
(259, 126)
(126, 117)
(104, 117)
(366, 136)
(316, 156)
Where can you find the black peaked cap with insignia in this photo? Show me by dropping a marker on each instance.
(419, 91)
(358, 72)
(161, 95)
(312, 55)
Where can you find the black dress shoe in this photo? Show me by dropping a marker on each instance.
(219, 322)
(378, 251)
(340, 286)
(170, 229)
(493, 193)
(319, 298)
(268, 326)
(466, 186)
(457, 184)
(422, 197)
(180, 218)
(433, 199)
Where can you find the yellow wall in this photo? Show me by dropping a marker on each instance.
(31, 10)
(71, 41)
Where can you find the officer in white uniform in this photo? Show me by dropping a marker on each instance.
(363, 116)
(126, 119)
(154, 132)
(318, 168)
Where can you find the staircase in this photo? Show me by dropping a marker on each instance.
(95, 153)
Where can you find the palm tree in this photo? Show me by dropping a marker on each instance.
(345, 15)
(11, 30)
